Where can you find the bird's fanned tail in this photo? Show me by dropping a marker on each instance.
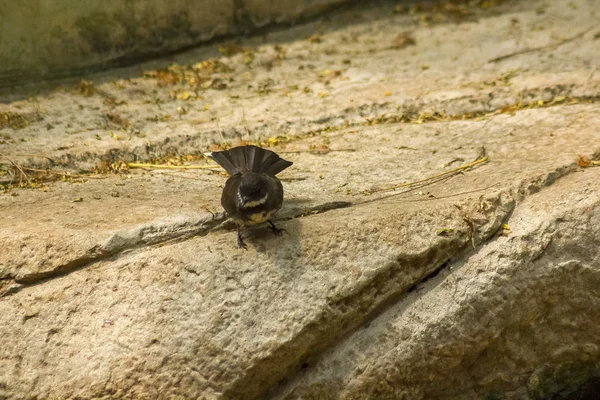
(250, 158)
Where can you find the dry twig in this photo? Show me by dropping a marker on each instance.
(315, 151)
(480, 160)
(534, 49)
(23, 174)
(64, 173)
(160, 166)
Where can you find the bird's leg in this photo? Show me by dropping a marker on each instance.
(277, 231)
(240, 240)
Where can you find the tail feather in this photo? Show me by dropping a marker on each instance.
(250, 158)
(237, 155)
(223, 161)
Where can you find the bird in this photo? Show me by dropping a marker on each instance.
(252, 193)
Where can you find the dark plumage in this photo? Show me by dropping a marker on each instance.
(252, 194)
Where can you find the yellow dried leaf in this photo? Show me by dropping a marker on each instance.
(443, 231)
(185, 95)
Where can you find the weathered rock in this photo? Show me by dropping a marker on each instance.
(473, 284)
(64, 38)
(488, 327)
(306, 86)
(262, 13)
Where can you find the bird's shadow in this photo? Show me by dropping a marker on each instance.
(262, 236)
(285, 248)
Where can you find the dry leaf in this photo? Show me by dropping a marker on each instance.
(444, 231)
(583, 161)
(315, 38)
(86, 88)
(230, 49)
(403, 40)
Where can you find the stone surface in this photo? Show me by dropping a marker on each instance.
(126, 283)
(480, 328)
(62, 38)
(262, 13)
(58, 38)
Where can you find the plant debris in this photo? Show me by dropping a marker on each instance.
(469, 221)
(316, 38)
(314, 149)
(444, 231)
(230, 49)
(164, 166)
(482, 158)
(327, 75)
(114, 167)
(585, 162)
(13, 120)
(196, 76)
(118, 120)
(534, 49)
(86, 88)
(403, 40)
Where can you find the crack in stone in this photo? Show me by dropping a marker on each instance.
(148, 234)
(462, 249)
(370, 299)
(152, 234)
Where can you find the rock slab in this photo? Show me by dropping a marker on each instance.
(442, 216)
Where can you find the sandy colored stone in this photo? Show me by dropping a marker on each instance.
(262, 13)
(524, 302)
(229, 312)
(343, 78)
(60, 38)
(66, 38)
(129, 285)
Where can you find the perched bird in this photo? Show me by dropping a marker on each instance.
(252, 194)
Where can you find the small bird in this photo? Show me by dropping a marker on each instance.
(252, 194)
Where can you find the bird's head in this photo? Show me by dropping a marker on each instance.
(252, 191)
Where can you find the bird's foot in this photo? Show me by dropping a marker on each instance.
(240, 241)
(276, 231)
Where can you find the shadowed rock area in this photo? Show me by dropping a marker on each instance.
(442, 215)
(60, 38)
